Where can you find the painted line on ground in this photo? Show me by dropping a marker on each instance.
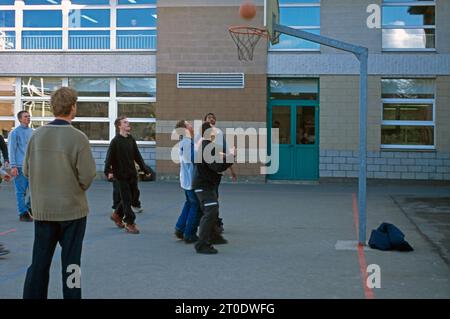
(368, 292)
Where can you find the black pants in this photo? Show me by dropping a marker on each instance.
(69, 234)
(128, 190)
(116, 196)
(209, 205)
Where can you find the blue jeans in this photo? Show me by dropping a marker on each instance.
(188, 220)
(23, 201)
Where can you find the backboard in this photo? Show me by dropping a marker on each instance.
(271, 17)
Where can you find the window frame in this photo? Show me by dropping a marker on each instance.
(401, 3)
(406, 101)
(113, 101)
(65, 8)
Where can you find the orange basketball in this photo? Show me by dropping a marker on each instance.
(247, 10)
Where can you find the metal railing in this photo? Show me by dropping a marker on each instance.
(41, 42)
(133, 42)
(89, 42)
(80, 42)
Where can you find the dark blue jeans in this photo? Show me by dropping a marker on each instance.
(70, 235)
(189, 219)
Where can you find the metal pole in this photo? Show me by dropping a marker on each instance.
(362, 181)
(362, 54)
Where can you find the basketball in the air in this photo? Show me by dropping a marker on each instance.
(247, 10)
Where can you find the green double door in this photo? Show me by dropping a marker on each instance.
(298, 124)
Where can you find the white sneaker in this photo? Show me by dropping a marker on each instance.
(137, 210)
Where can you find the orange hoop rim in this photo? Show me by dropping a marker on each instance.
(241, 29)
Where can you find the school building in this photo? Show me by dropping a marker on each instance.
(161, 61)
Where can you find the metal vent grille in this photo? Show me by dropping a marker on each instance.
(210, 80)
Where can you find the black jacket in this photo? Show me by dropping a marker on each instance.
(207, 175)
(4, 150)
(120, 158)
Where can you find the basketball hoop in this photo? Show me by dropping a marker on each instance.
(246, 39)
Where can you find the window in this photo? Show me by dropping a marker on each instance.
(294, 89)
(89, 29)
(409, 25)
(88, 23)
(7, 94)
(408, 113)
(299, 14)
(7, 18)
(136, 100)
(136, 28)
(45, 2)
(42, 29)
(137, 2)
(35, 98)
(100, 101)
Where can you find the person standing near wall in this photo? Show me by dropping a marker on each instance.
(206, 180)
(186, 226)
(60, 167)
(17, 145)
(122, 153)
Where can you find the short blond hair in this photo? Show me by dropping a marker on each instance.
(62, 101)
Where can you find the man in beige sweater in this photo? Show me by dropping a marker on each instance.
(60, 168)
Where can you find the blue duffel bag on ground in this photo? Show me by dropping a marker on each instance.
(388, 237)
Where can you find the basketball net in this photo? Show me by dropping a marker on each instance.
(246, 39)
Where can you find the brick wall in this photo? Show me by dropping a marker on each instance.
(386, 164)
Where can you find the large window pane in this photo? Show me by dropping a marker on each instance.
(136, 39)
(136, 87)
(89, 18)
(7, 18)
(407, 135)
(89, 40)
(409, 16)
(38, 108)
(144, 110)
(407, 112)
(306, 125)
(6, 127)
(137, 2)
(408, 88)
(136, 17)
(38, 40)
(92, 109)
(300, 16)
(35, 86)
(294, 43)
(281, 120)
(37, 123)
(408, 38)
(143, 131)
(94, 130)
(294, 89)
(90, 86)
(6, 108)
(46, 2)
(7, 86)
(42, 18)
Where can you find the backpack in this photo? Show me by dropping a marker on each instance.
(388, 237)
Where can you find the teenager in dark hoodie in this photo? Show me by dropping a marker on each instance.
(206, 179)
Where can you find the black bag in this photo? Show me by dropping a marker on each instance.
(388, 237)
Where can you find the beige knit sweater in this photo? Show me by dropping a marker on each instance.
(60, 168)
